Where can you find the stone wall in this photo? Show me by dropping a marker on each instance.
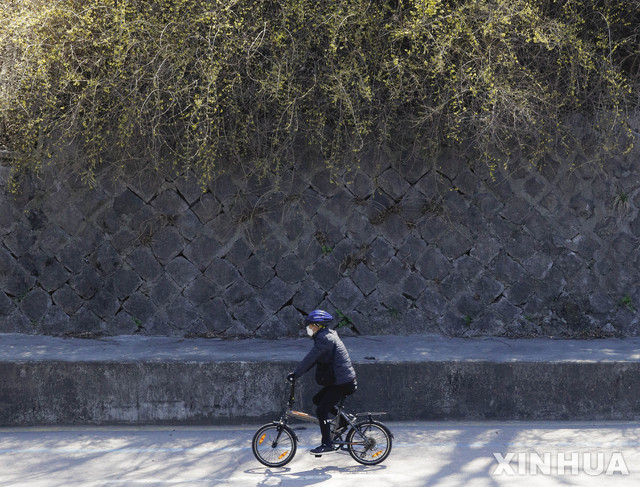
(397, 246)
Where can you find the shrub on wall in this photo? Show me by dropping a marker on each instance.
(207, 83)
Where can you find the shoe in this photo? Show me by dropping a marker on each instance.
(322, 449)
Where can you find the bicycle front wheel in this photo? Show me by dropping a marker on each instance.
(274, 445)
(369, 442)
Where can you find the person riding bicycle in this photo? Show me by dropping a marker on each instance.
(333, 371)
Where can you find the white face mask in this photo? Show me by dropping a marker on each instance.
(309, 331)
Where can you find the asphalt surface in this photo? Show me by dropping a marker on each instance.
(423, 454)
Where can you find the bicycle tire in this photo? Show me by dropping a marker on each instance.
(274, 445)
(369, 443)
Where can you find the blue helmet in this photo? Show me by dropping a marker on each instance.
(319, 317)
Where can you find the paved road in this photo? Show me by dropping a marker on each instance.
(424, 454)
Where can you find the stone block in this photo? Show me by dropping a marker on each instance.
(122, 324)
(55, 321)
(182, 314)
(433, 265)
(140, 308)
(505, 269)
(33, 262)
(85, 321)
(104, 304)
(326, 273)
(309, 296)
(392, 183)
(17, 282)
(188, 225)
(6, 306)
(200, 291)
(467, 182)
(453, 325)
(52, 238)
(20, 240)
(239, 252)
(290, 269)
(206, 208)
(88, 240)
(181, 271)
(506, 310)
(123, 240)
(411, 250)
(238, 293)
(487, 289)
(162, 291)
(380, 251)
(256, 272)
(86, 283)
(107, 259)
(393, 272)
(345, 295)
(468, 267)
(362, 185)
(310, 202)
(488, 204)
(394, 229)
(323, 182)
(272, 328)
(108, 220)
(144, 263)
(291, 318)
(215, 315)
(453, 285)
(538, 264)
(125, 282)
(169, 202)
(516, 211)
(365, 279)
(167, 244)
(468, 305)
(251, 314)
(67, 299)
(17, 322)
(276, 294)
(145, 184)
(413, 286)
(189, 188)
(35, 304)
(222, 273)
(485, 249)
(127, 203)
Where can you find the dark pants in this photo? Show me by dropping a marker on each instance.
(326, 401)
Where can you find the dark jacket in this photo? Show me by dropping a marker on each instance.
(323, 352)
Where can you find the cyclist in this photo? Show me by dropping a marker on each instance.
(333, 371)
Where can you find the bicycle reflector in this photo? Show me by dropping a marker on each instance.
(283, 455)
(262, 439)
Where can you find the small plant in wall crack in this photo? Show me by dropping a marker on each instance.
(621, 203)
(627, 302)
(345, 321)
(324, 243)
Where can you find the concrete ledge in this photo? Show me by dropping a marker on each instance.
(143, 380)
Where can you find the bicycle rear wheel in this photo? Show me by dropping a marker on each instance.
(369, 442)
(274, 445)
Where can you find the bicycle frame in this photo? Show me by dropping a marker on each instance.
(367, 441)
(335, 434)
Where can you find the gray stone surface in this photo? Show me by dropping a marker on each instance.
(442, 245)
